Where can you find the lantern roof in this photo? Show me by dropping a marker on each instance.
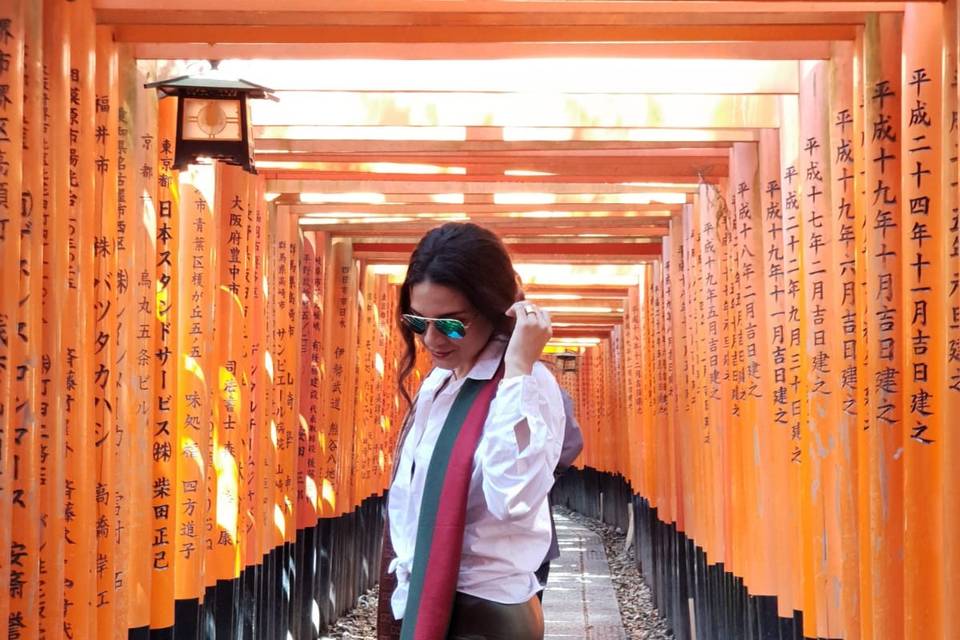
(173, 86)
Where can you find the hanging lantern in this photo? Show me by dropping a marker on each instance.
(213, 118)
(568, 361)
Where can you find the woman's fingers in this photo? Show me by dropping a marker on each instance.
(530, 335)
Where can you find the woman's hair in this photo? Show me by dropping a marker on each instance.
(469, 259)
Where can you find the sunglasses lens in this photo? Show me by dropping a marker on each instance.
(453, 329)
(416, 323)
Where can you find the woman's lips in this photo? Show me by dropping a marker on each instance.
(440, 355)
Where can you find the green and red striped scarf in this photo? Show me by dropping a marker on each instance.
(443, 508)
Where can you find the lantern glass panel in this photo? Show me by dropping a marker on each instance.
(211, 119)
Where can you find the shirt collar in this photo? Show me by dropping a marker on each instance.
(483, 369)
(489, 360)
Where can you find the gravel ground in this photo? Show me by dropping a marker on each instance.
(360, 623)
(640, 617)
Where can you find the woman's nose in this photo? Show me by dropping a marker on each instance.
(433, 337)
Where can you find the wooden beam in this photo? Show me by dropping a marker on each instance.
(279, 141)
(581, 305)
(583, 331)
(591, 290)
(560, 221)
(533, 6)
(400, 238)
(491, 210)
(288, 34)
(578, 75)
(686, 172)
(528, 135)
(651, 249)
(480, 109)
(574, 166)
(571, 160)
(371, 257)
(584, 318)
(574, 15)
(427, 202)
(278, 184)
(547, 229)
(361, 153)
(781, 50)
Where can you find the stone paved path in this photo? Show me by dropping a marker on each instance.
(580, 601)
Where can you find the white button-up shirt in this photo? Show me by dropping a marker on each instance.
(507, 530)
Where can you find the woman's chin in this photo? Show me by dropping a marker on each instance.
(444, 359)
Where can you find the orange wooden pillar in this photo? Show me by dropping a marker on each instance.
(618, 437)
(679, 390)
(951, 242)
(725, 408)
(288, 362)
(15, 555)
(281, 362)
(318, 244)
(106, 421)
(709, 291)
(165, 481)
(339, 340)
(632, 376)
(80, 597)
(639, 455)
(790, 206)
(760, 436)
(384, 412)
(884, 325)
(252, 535)
(846, 157)
(132, 462)
(664, 433)
(698, 367)
(923, 336)
(291, 387)
(774, 363)
(669, 385)
(862, 208)
(307, 479)
(230, 410)
(364, 385)
(696, 370)
(820, 348)
(260, 366)
(27, 438)
(56, 55)
(143, 280)
(647, 391)
(196, 374)
(392, 400)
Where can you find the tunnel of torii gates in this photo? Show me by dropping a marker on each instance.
(742, 215)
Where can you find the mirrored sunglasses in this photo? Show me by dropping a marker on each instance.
(450, 327)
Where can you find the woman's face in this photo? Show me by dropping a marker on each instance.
(438, 301)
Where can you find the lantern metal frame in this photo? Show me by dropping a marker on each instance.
(236, 152)
(568, 362)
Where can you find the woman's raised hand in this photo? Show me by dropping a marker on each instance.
(530, 336)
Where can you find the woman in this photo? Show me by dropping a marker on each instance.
(467, 513)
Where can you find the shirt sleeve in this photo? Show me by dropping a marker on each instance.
(572, 436)
(515, 482)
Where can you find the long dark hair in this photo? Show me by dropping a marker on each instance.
(468, 259)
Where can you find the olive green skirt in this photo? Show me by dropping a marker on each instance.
(478, 619)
